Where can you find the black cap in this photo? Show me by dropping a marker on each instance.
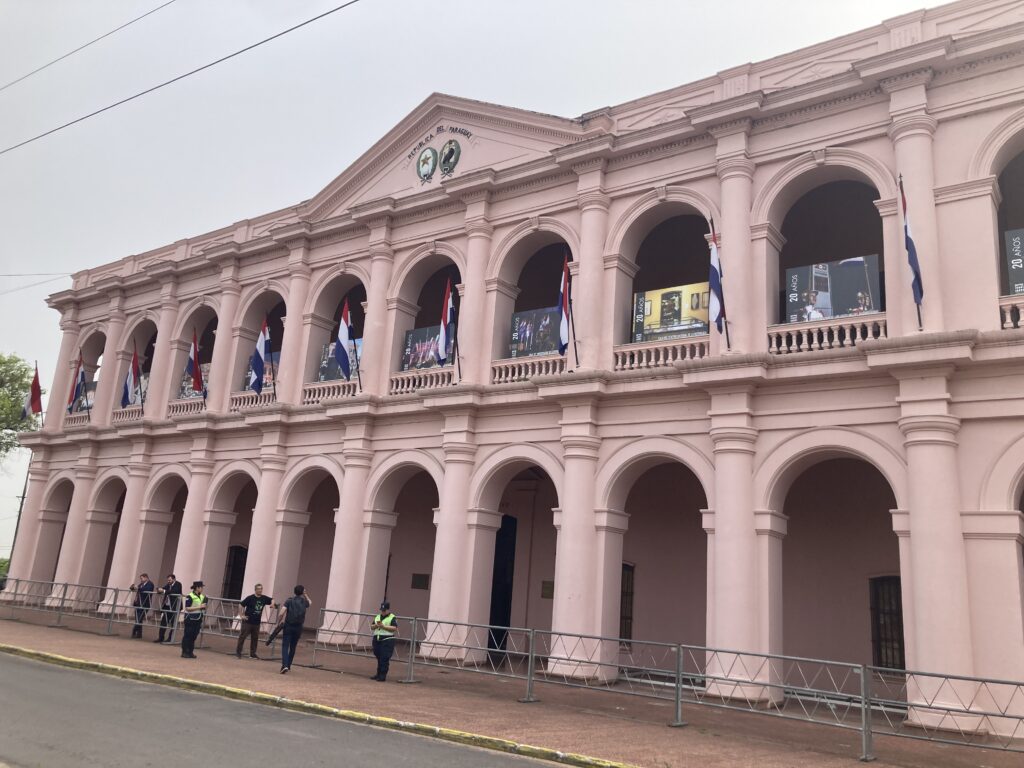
(197, 584)
(385, 606)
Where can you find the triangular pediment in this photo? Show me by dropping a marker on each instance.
(444, 137)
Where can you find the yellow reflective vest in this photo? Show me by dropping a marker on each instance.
(381, 633)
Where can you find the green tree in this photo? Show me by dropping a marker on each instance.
(15, 381)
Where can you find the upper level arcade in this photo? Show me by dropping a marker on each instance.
(438, 258)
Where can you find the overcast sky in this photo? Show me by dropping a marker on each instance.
(270, 128)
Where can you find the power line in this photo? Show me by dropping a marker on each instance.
(31, 285)
(180, 77)
(81, 47)
(34, 274)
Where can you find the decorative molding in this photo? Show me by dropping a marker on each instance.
(766, 231)
(735, 167)
(503, 287)
(968, 190)
(594, 199)
(904, 80)
(621, 263)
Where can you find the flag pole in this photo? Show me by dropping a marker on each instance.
(721, 299)
(455, 344)
(572, 317)
(355, 352)
(270, 358)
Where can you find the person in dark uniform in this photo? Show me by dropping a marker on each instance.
(250, 611)
(385, 627)
(195, 608)
(143, 599)
(171, 591)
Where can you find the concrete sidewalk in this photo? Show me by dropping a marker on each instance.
(604, 725)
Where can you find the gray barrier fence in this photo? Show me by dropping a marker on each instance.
(947, 709)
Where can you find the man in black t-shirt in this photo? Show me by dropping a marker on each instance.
(250, 611)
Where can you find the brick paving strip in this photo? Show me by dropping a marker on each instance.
(567, 724)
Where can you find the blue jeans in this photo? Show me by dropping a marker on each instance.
(289, 642)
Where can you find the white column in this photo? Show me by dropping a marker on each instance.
(590, 302)
(25, 557)
(221, 363)
(69, 566)
(347, 556)
(450, 587)
(67, 359)
(911, 132)
(735, 173)
(108, 384)
(260, 567)
(472, 327)
(126, 561)
(192, 537)
(160, 373)
(290, 371)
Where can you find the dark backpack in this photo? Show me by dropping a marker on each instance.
(295, 608)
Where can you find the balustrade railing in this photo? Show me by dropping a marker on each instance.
(316, 391)
(244, 401)
(524, 368)
(656, 354)
(406, 382)
(1010, 308)
(124, 415)
(76, 419)
(816, 335)
(186, 406)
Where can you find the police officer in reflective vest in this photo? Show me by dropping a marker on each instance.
(385, 627)
(195, 607)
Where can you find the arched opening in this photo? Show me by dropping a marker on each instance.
(409, 563)
(418, 325)
(1011, 228)
(142, 342)
(268, 306)
(91, 352)
(663, 593)
(522, 579)
(53, 520)
(307, 542)
(526, 310)
(533, 328)
(321, 364)
(169, 506)
(831, 264)
(670, 288)
(202, 325)
(228, 528)
(104, 521)
(842, 597)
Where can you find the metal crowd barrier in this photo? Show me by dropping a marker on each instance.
(947, 709)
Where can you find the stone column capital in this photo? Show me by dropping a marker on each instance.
(900, 82)
(581, 446)
(593, 199)
(917, 124)
(737, 167)
(357, 458)
(479, 228)
(379, 251)
(934, 429)
(733, 439)
(459, 452)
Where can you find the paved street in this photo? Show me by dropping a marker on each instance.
(57, 718)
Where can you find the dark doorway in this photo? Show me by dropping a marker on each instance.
(234, 572)
(887, 622)
(501, 582)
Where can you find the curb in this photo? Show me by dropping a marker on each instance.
(296, 705)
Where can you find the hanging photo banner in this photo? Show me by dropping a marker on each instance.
(1015, 260)
(87, 399)
(185, 391)
(671, 313)
(270, 372)
(534, 332)
(329, 368)
(834, 289)
(421, 346)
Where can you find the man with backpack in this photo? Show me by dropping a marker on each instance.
(290, 621)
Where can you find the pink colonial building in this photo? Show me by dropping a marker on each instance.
(837, 482)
